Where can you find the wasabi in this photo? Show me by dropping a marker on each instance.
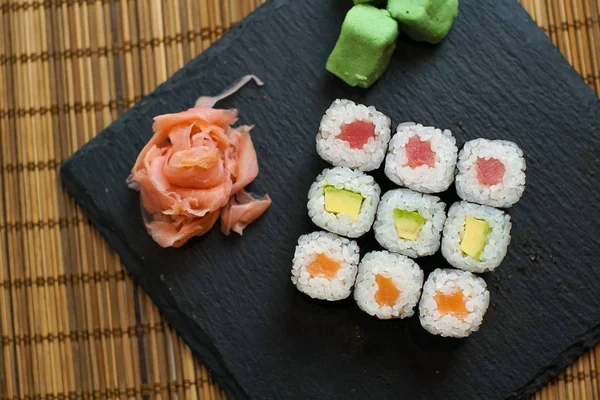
(424, 20)
(364, 47)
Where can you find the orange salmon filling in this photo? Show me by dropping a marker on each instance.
(453, 303)
(387, 293)
(323, 266)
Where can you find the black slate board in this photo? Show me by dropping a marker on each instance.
(496, 76)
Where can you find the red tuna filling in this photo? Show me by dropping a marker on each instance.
(418, 152)
(489, 172)
(357, 133)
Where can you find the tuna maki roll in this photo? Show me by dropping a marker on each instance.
(410, 223)
(324, 266)
(491, 172)
(475, 237)
(421, 158)
(388, 285)
(353, 135)
(343, 201)
(453, 303)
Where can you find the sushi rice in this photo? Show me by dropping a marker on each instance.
(423, 178)
(336, 248)
(496, 243)
(351, 180)
(338, 151)
(429, 207)
(439, 321)
(512, 182)
(401, 271)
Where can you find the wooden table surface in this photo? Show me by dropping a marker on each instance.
(72, 323)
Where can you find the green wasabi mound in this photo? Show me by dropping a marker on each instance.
(365, 46)
(424, 20)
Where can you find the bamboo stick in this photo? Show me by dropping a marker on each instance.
(61, 124)
(27, 356)
(592, 12)
(48, 210)
(9, 384)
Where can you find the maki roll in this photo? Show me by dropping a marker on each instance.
(410, 223)
(324, 265)
(491, 172)
(353, 135)
(453, 303)
(343, 201)
(422, 158)
(388, 285)
(475, 237)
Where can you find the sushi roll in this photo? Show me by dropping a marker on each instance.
(410, 223)
(421, 158)
(324, 265)
(343, 201)
(388, 285)
(475, 237)
(353, 135)
(491, 172)
(453, 303)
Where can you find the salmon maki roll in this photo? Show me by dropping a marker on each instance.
(388, 285)
(353, 135)
(343, 201)
(421, 158)
(324, 266)
(453, 303)
(491, 172)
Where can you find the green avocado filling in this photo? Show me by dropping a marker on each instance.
(341, 201)
(473, 242)
(408, 223)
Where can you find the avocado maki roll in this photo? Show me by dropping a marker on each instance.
(410, 223)
(343, 201)
(475, 237)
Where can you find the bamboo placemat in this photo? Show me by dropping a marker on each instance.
(72, 323)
